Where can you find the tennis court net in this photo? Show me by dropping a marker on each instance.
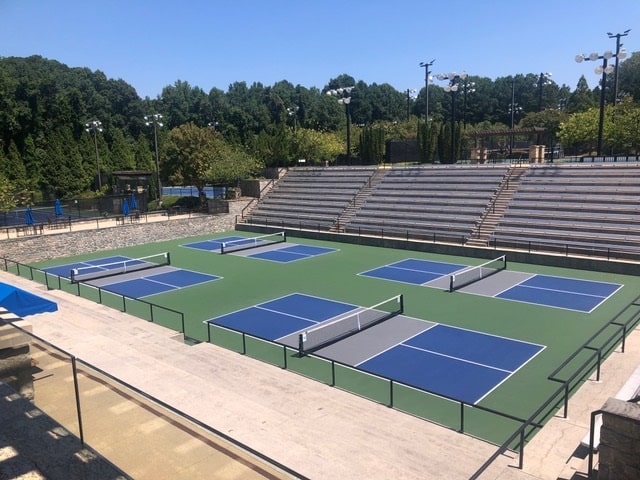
(92, 272)
(252, 242)
(342, 327)
(473, 274)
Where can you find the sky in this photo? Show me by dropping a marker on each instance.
(214, 43)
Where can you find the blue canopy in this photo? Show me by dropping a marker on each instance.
(58, 207)
(23, 303)
(125, 207)
(28, 216)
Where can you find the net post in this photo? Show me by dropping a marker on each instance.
(452, 279)
(402, 303)
(300, 345)
(168, 254)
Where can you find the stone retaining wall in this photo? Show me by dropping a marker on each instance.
(44, 247)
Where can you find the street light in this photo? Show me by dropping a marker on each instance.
(426, 66)
(454, 80)
(212, 125)
(513, 108)
(410, 93)
(543, 79)
(604, 70)
(155, 121)
(618, 45)
(95, 126)
(345, 99)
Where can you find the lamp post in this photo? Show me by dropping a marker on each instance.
(410, 93)
(345, 99)
(95, 126)
(426, 66)
(293, 112)
(513, 108)
(452, 87)
(155, 120)
(604, 70)
(212, 125)
(543, 80)
(467, 87)
(618, 45)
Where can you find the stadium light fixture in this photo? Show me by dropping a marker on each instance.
(95, 126)
(603, 70)
(452, 87)
(344, 95)
(427, 72)
(155, 121)
(618, 45)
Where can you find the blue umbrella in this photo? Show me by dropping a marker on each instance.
(125, 207)
(134, 202)
(28, 216)
(58, 207)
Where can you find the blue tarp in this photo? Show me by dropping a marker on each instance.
(23, 303)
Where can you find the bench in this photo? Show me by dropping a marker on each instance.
(628, 391)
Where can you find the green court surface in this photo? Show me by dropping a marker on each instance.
(246, 282)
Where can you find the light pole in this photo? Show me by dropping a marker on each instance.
(513, 108)
(293, 112)
(467, 87)
(212, 125)
(427, 72)
(604, 70)
(155, 120)
(95, 126)
(345, 99)
(410, 93)
(452, 87)
(618, 45)
(543, 80)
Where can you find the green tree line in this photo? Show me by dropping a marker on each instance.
(46, 151)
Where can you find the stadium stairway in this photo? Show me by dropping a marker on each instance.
(359, 200)
(489, 220)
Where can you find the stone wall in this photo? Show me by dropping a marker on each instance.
(44, 247)
(619, 457)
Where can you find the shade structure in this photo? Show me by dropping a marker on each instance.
(28, 216)
(125, 207)
(23, 303)
(58, 207)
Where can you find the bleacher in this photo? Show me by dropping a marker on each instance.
(580, 207)
(441, 202)
(311, 197)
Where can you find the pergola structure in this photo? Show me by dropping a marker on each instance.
(479, 150)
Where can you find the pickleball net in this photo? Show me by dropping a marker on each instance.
(339, 328)
(252, 242)
(92, 272)
(475, 274)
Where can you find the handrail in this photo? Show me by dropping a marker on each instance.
(564, 387)
(154, 400)
(269, 184)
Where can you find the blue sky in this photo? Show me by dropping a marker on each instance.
(152, 44)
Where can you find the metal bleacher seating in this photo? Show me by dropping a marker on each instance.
(577, 207)
(430, 202)
(311, 197)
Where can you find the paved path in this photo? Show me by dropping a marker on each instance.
(319, 431)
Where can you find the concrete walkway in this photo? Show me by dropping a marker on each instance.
(318, 431)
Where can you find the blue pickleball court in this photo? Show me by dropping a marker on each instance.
(414, 271)
(283, 316)
(560, 292)
(457, 363)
